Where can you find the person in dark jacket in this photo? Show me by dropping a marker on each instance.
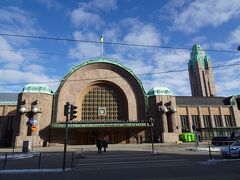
(105, 142)
(99, 145)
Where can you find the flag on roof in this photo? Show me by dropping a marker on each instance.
(101, 39)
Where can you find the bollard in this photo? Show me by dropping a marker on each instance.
(5, 161)
(13, 152)
(39, 160)
(72, 160)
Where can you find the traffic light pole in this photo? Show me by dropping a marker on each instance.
(152, 123)
(66, 136)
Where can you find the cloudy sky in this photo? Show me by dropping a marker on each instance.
(214, 24)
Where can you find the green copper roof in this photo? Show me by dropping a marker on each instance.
(99, 60)
(233, 100)
(37, 88)
(160, 91)
(198, 55)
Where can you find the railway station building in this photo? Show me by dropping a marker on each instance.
(111, 101)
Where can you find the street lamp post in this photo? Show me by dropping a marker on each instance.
(209, 148)
(152, 123)
(31, 122)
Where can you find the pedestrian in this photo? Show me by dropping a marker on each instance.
(199, 138)
(105, 142)
(141, 139)
(99, 145)
(137, 140)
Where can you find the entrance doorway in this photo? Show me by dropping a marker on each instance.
(89, 136)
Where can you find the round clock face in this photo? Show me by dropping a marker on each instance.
(102, 111)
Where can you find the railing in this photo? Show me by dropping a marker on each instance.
(209, 133)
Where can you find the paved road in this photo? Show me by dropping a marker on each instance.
(121, 162)
(122, 165)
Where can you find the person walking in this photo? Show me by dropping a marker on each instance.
(99, 145)
(105, 143)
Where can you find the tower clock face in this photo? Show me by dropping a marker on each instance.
(102, 111)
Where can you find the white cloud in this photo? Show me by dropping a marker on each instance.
(189, 16)
(86, 14)
(85, 50)
(171, 60)
(156, 67)
(103, 5)
(145, 34)
(139, 66)
(227, 78)
(10, 76)
(18, 66)
(112, 34)
(35, 68)
(235, 36)
(82, 18)
(229, 43)
(51, 4)
(8, 54)
(14, 20)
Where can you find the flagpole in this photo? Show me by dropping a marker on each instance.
(101, 40)
(102, 49)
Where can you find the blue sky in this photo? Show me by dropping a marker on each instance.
(214, 24)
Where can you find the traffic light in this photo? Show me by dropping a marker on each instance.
(66, 109)
(73, 112)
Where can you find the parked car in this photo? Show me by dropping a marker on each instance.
(232, 150)
(235, 135)
(222, 140)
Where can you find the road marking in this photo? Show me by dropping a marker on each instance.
(100, 158)
(131, 162)
(123, 165)
(214, 161)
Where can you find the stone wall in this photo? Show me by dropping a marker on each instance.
(44, 103)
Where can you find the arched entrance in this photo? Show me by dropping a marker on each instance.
(104, 102)
(110, 100)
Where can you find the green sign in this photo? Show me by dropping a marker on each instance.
(98, 125)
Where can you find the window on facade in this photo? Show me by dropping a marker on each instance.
(103, 103)
(184, 123)
(206, 120)
(196, 121)
(217, 120)
(228, 121)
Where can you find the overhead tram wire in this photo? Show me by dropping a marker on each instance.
(36, 52)
(111, 43)
(142, 74)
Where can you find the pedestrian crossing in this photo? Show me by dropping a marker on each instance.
(128, 161)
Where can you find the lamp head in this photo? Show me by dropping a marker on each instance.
(34, 109)
(22, 109)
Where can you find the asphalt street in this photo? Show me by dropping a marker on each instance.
(126, 162)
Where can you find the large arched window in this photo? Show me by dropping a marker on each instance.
(104, 103)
